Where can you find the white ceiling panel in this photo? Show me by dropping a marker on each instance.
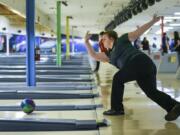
(94, 15)
(87, 14)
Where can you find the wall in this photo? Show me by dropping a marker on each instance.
(20, 7)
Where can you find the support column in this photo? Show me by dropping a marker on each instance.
(58, 47)
(73, 40)
(30, 49)
(162, 28)
(67, 38)
(7, 44)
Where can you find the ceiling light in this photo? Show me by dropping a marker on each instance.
(4, 28)
(19, 31)
(151, 2)
(139, 9)
(129, 13)
(147, 31)
(172, 17)
(165, 30)
(64, 3)
(134, 11)
(177, 13)
(70, 17)
(159, 22)
(144, 5)
(175, 24)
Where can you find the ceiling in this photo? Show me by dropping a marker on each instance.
(13, 17)
(91, 15)
(94, 15)
(165, 8)
(17, 20)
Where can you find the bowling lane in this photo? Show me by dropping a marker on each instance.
(46, 84)
(82, 115)
(52, 102)
(54, 133)
(79, 115)
(46, 67)
(63, 91)
(46, 73)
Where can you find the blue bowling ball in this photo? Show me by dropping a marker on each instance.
(28, 105)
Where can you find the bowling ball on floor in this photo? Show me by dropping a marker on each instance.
(28, 105)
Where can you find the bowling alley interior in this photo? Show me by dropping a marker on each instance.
(90, 67)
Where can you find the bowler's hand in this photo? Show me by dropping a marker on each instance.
(156, 18)
(87, 36)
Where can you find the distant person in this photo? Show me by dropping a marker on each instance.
(102, 49)
(154, 47)
(165, 44)
(137, 42)
(145, 45)
(171, 45)
(177, 44)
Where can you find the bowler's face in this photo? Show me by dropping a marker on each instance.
(107, 41)
(100, 37)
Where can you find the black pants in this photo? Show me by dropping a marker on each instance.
(179, 58)
(97, 66)
(143, 70)
(164, 50)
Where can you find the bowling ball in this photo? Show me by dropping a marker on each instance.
(28, 105)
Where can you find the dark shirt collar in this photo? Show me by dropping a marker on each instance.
(115, 42)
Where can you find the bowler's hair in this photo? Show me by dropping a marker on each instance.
(176, 35)
(111, 34)
(101, 33)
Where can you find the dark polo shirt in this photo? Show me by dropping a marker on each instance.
(122, 52)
